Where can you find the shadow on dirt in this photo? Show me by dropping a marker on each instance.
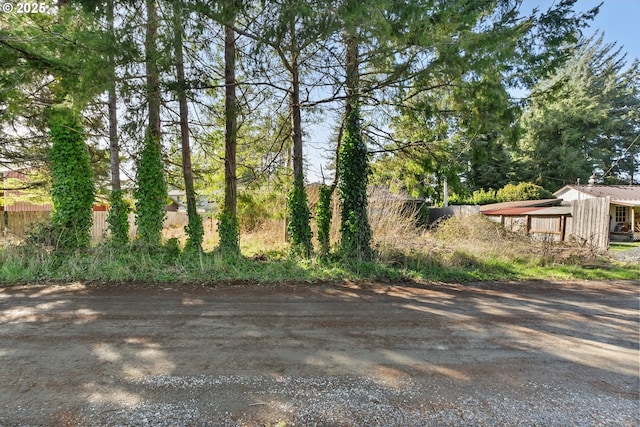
(77, 351)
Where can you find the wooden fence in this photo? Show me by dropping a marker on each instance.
(456, 210)
(15, 225)
(590, 222)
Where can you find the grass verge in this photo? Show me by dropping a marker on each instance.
(24, 264)
(459, 250)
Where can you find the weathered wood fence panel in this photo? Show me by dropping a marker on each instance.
(464, 210)
(590, 223)
(15, 225)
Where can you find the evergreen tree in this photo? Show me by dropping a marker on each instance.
(583, 119)
(151, 190)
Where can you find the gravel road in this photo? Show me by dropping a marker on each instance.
(366, 354)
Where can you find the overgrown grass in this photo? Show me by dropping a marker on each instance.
(459, 250)
(20, 264)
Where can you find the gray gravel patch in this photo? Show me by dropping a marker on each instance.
(353, 401)
(631, 255)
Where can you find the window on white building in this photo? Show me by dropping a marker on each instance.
(621, 214)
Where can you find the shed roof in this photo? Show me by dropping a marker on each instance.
(521, 204)
(532, 211)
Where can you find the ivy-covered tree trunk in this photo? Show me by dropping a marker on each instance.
(118, 215)
(194, 229)
(353, 170)
(228, 227)
(298, 209)
(72, 188)
(353, 167)
(151, 192)
(299, 228)
(323, 218)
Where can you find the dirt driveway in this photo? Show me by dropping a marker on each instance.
(383, 354)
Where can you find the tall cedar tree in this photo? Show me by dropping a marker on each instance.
(228, 226)
(194, 229)
(151, 191)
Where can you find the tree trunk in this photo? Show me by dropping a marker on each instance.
(187, 170)
(151, 65)
(296, 116)
(353, 75)
(231, 122)
(151, 191)
(114, 149)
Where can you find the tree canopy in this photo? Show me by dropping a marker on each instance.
(220, 98)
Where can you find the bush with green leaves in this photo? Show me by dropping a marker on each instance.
(72, 187)
(482, 197)
(150, 193)
(118, 218)
(353, 176)
(522, 191)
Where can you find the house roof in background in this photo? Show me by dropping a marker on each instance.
(620, 194)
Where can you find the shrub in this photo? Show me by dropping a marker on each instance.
(522, 191)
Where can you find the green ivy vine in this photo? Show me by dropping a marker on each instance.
(72, 187)
(323, 218)
(353, 171)
(118, 218)
(228, 230)
(299, 228)
(150, 194)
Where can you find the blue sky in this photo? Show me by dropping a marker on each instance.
(618, 19)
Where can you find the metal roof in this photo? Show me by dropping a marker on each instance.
(533, 211)
(521, 204)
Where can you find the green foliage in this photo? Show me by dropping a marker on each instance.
(150, 193)
(522, 191)
(195, 232)
(171, 248)
(482, 197)
(299, 228)
(118, 218)
(228, 230)
(583, 119)
(508, 193)
(72, 189)
(27, 263)
(323, 218)
(353, 170)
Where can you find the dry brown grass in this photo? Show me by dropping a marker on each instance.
(478, 236)
(397, 236)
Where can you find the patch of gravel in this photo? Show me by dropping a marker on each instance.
(631, 255)
(356, 401)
